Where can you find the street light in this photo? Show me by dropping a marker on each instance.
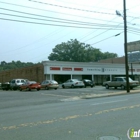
(125, 45)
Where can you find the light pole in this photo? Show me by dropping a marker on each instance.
(125, 48)
(125, 45)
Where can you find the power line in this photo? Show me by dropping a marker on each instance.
(88, 5)
(73, 22)
(83, 27)
(102, 33)
(45, 17)
(97, 12)
(133, 32)
(50, 11)
(54, 33)
(106, 38)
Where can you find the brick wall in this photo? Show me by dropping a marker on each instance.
(35, 73)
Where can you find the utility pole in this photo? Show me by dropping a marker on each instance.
(125, 48)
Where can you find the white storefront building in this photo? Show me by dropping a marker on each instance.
(99, 72)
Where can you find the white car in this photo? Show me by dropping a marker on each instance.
(73, 83)
(16, 83)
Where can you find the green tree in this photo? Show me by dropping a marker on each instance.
(109, 55)
(76, 51)
(13, 65)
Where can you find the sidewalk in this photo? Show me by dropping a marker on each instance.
(124, 92)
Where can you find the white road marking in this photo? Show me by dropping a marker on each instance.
(110, 102)
(55, 95)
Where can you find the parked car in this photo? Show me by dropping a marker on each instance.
(16, 83)
(88, 82)
(120, 82)
(73, 83)
(5, 86)
(49, 84)
(29, 85)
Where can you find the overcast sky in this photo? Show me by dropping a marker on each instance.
(30, 29)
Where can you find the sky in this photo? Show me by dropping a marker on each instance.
(30, 29)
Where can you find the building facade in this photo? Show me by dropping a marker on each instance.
(62, 71)
(99, 72)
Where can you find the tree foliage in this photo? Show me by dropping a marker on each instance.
(13, 65)
(76, 51)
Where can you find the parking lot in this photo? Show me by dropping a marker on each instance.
(17, 98)
(68, 92)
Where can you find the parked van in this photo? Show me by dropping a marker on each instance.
(15, 83)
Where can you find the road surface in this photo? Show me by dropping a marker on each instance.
(36, 116)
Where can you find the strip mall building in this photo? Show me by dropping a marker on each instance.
(62, 71)
(99, 72)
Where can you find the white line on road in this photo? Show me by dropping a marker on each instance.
(110, 102)
(56, 95)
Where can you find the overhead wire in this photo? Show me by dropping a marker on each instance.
(97, 29)
(79, 4)
(74, 22)
(60, 20)
(51, 11)
(60, 25)
(71, 8)
(101, 33)
(66, 7)
(133, 33)
(55, 32)
(108, 37)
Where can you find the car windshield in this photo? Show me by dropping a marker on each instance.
(75, 80)
(53, 82)
(87, 80)
(32, 82)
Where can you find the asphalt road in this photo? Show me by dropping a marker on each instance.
(25, 98)
(47, 115)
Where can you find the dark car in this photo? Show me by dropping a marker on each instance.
(5, 86)
(88, 82)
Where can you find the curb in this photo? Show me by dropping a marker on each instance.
(107, 94)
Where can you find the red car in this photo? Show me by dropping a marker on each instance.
(29, 85)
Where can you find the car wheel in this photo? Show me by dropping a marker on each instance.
(72, 86)
(115, 87)
(38, 89)
(131, 87)
(28, 89)
(20, 89)
(122, 87)
(55, 88)
(14, 88)
(63, 86)
(91, 86)
(107, 86)
(46, 88)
